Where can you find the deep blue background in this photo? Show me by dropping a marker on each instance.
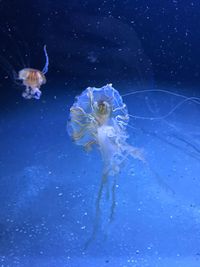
(168, 31)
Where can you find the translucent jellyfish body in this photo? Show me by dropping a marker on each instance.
(99, 118)
(32, 79)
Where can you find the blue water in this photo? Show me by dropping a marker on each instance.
(49, 186)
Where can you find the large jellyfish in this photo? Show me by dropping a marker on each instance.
(99, 118)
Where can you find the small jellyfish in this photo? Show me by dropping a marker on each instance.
(32, 79)
(99, 118)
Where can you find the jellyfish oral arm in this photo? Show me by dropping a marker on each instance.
(27, 93)
(36, 93)
(31, 93)
(110, 149)
(45, 69)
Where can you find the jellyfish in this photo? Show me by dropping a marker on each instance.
(99, 118)
(33, 79)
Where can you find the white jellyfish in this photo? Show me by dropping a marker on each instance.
(99, 117)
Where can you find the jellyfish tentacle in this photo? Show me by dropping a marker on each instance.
(122, 119)
(46, 66)
(97, 210)
(169, 113)
(185, 99)
(119, 108)
(88, 145)
(157, 91)
(80, 124)
(78, 135)
(8, 68)
(113, 204)
(76, 110)
(91, 98)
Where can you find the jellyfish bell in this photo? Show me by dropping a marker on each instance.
(100, 116)
(32, 77)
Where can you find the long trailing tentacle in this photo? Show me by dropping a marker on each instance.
(113, 205)
(97, 211)
(8, 68)
(45, 69)
(194, 154)
(195, 100)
